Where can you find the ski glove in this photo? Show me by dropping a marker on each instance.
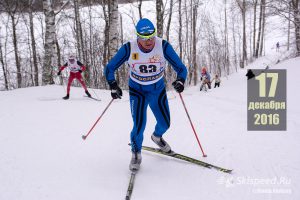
(58, 73)
(178, 85)
(116, 92)
(80, 71)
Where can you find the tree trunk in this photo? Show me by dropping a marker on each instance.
(227, 63)
(33, 46)
(234, 46)
(78, 32)
(259, 29)
(80, 41)
(254, 26)
(16, 51)
(180, 29)
(31, 73)
(93, 75)
(194, 43)
(159, 18)
(169, 20)
(295, 4)
(289, 27)
(140, 8)
(106, 32)
(49, 57)
(244, 33)
(3, 67)
(113, 28)
(263, 27)
(242, 6)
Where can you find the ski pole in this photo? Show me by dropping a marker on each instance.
(85, 136)
(204, 155)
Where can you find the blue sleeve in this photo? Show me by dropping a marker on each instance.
(208, 76)
(121, 56)
(172, 57)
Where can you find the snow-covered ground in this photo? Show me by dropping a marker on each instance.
(42, 155)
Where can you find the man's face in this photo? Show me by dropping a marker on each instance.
(147, 44)
(72, 60)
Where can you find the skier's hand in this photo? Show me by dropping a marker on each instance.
(80, 71)
(178, 85)
(116, 92)
(58, 73)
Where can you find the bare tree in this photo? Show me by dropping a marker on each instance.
(242, 6)
(113, 28)
(159, 18)
(12, 7)
(289, 27)
(33, 44)
(296, 9)
(50, 36)
(263, 2)
(140, 8)
(289, 10)
(180, 29)
(233, 18)
(3, 67)
(169, 20)
(260, 29)
(194, 40)
(106, 12)
(254, 24)
(78, 31)
(50, 56)
(226, 50)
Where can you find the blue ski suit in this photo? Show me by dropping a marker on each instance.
(146, 85)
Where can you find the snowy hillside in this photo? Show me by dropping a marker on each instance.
(42, 155)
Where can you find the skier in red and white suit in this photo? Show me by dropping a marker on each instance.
(76, 68)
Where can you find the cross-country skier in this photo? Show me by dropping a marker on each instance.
(205, 78)
(146, 58)
(277, 47)
(217, 80)
(76, 68)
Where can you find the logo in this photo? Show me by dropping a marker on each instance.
(135, 56)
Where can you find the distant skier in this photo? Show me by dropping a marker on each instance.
(76, 68)
(217, 80)
(204, 73)
(146, 57)
(277, 47)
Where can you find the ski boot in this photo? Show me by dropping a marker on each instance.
(163, 145)
(88, 94)
(66, 97)
(136, 161)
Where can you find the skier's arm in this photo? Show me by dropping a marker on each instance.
(121, 56)
(208, 76)
(63, 67)
(171, 56)
(82, 67)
